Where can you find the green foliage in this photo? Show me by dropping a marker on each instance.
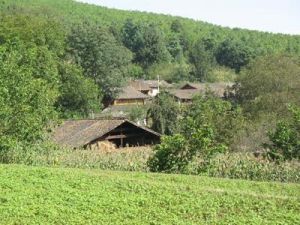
(172, 155)
(147, 43)
(241, 165)
(285, 140)
(38, 195)
(222, 74)
(137, 113)
(207, 128)
(101, 57)
(212, 113)
(233, 54)
(79, 94)
(172, 72)
(32, 29)
(26, 100)
(163, 113)
(269, 84)
(202, 61)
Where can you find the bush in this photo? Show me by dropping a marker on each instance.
(285, 140)
(172, 155)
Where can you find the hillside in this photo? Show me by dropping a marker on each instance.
(168, 45)
(36, 195)
(71, 12)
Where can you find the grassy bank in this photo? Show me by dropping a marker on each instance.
(38, 195)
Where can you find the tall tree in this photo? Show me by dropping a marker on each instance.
(163, 114)
(233, 54)
(26, 101)
(147, 42)
(202, 61)
(79, 95)
(101, 57)
(268, 84)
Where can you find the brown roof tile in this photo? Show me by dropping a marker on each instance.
(129, 92)
(217, 88)
(78, 133)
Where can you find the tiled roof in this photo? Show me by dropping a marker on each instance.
(129, 92)
(217, 88)
(78, 133)
(186, 94)
(146, 85)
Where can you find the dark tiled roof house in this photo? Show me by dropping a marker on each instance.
(121, 132)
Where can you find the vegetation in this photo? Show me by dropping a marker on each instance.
(285, 144)
(35, 195)
(63, 59)
(269, 84)
(163, 114)
(207, 128)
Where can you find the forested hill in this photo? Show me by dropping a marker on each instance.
(85, 52)
(70, 12)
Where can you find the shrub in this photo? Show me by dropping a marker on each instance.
(285, 140)
(172, 155)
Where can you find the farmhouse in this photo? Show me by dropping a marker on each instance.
(130, 96)
(92, 134)
(149, 87)
(189, 90)
(216, 88)
(184, 96)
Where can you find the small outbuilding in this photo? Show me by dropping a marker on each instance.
(91, 134)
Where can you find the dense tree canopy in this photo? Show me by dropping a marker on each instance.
(100, 55)
(269, 84)
(26, 101)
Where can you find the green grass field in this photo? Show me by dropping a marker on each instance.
(37, 195)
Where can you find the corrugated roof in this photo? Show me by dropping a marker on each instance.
(129, 92)
(78, 133)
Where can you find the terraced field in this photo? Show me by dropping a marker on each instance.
(40, 195)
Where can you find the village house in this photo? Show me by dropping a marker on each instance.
(189, 90)
(130, 96)
(97, 134)
(184, 96)
(149, 87)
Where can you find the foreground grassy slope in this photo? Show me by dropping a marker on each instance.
(36, 195)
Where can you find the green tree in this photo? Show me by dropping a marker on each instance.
(147, 42)
(233, 54)
(285, 140)
(268, 84)
(221, 116)
(163, 114)
(79, 95)
(206, 128)
(26, 101)
(101, 57)
(202, 61)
